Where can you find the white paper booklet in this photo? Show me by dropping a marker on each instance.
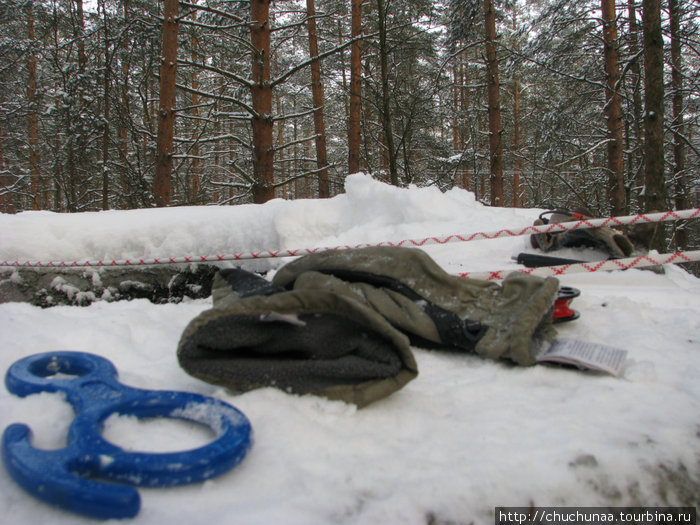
(585, 355)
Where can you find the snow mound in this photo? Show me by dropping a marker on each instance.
(369, 211)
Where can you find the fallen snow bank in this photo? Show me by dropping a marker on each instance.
(369, 211)
(465, 436)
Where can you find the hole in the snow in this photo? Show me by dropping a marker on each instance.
(158, 435)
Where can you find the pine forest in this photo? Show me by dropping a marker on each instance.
(118, 104)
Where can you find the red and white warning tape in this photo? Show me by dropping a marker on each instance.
(267, 254)
(584, 267)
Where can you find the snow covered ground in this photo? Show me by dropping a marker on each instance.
(465, 436)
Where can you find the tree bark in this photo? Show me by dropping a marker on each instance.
(124, 105)
(343, 70)
(77, 144)
(613, 109)
(317, 96)
(6, 197)
(635, 156)
(36, 187)
(194, 176)
(355, 89)
(105, 135)
(162, 183)
(263, 152)
(517, 165)
(283, 169)
(464, 105)
(655, 187)
(679, 175)
(386, 112)
(456, 124)
(494, 107)
(79, 34)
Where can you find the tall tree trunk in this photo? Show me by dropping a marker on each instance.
(464, 103)
(478, 164)
(263, 152)
(194, 176)
(150, 105)
(218, 145)
(655, 187)
(80, 36)
(105, 136)
(494, 107)
(6, 197)
(457, 135)
(162, 183)
(517, 165)
(679, 175)
(317, 96)
(343, 69)
(36, 188)
(386, 112)
(613, 109)
(77, 144)
(57, 174)
(231, 160)
(457, 131)
(124, 106)
(355, 89)
(283, 169)
(295, 153)
(307, 181)
(635, 75)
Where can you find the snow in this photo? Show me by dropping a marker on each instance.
(463, 437)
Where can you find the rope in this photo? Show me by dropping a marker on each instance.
(417, 243)
(609, 264)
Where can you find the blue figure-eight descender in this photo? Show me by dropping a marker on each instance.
(69, 477)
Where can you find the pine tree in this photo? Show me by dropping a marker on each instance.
(679, 176)
(355, 89)
(162, 183)
(613, 109)
(319, 104)
(494, 106)
(37, 186)
(261, 90)
(654, 177)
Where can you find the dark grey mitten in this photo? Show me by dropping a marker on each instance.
(301, 341)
